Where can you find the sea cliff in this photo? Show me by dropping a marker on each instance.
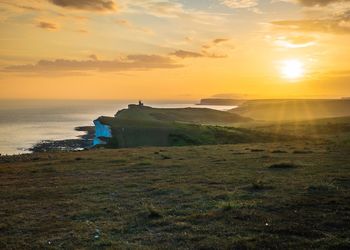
(102, 133)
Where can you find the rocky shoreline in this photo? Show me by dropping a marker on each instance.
(82, 142)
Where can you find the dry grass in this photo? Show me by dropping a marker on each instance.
(209, 197)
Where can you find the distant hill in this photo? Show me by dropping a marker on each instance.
(220, 101)
(285, 110)
(336, 129)
(146, 126)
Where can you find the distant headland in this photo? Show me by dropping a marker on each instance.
(221, 101)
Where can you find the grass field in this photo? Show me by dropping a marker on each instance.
(266, 196)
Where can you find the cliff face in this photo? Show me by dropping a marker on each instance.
(102, 132)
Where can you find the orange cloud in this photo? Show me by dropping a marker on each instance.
(239, 4)
(320, 2)
(47, 25)
(186, 54)
(129, 63)
(220, 40)
(314, 25)
(296, 41)
(208, 50)
(92, 5)
(127, 24)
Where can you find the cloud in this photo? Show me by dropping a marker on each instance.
(129, 25)
(173, 9)
(47, 25)
(216, 48)
(315, 25)
(22, 6)
(12, 8)
(93, 57)
(129, 63)
(295, 41)
(240, 4)
(220, 40)
(320, 2)
(215, 42)
(299, 40)
(322, 16)
(91, 5)
(165, 8)
(186, 54)
(123, 22)
(84, 31)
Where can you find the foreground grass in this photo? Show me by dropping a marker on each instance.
(210, 197)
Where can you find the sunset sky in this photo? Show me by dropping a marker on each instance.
(150, 49)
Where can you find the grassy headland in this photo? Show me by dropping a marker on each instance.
(146, 126)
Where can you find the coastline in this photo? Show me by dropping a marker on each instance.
(29, 126)
(82, 142)
(85, 141)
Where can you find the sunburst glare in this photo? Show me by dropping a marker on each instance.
(292, 69)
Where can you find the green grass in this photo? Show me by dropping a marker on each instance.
(185, 115)
(203, 197)
(146, 126)
(131, 133)
(284, 165)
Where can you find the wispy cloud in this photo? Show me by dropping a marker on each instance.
(240, 4)
(93, 57)
(295, 41)
(220, 40)
(21, 5)
(172, 9)
(186, 54)
(47, 25)
(322, 16)
(214, 49)
(90, 5)
(83, 31)
(127, 24)
(320, 2)
(337, 25)
(129, 63)
(217, 48)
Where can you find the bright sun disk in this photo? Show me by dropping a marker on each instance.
(292, 69)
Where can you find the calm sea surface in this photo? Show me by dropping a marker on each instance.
(25, 123)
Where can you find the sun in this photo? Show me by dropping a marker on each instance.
(292, 69)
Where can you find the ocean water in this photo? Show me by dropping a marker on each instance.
(25, 123)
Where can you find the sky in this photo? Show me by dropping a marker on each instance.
(174, 50)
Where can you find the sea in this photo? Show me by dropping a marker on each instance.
(24, 123)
